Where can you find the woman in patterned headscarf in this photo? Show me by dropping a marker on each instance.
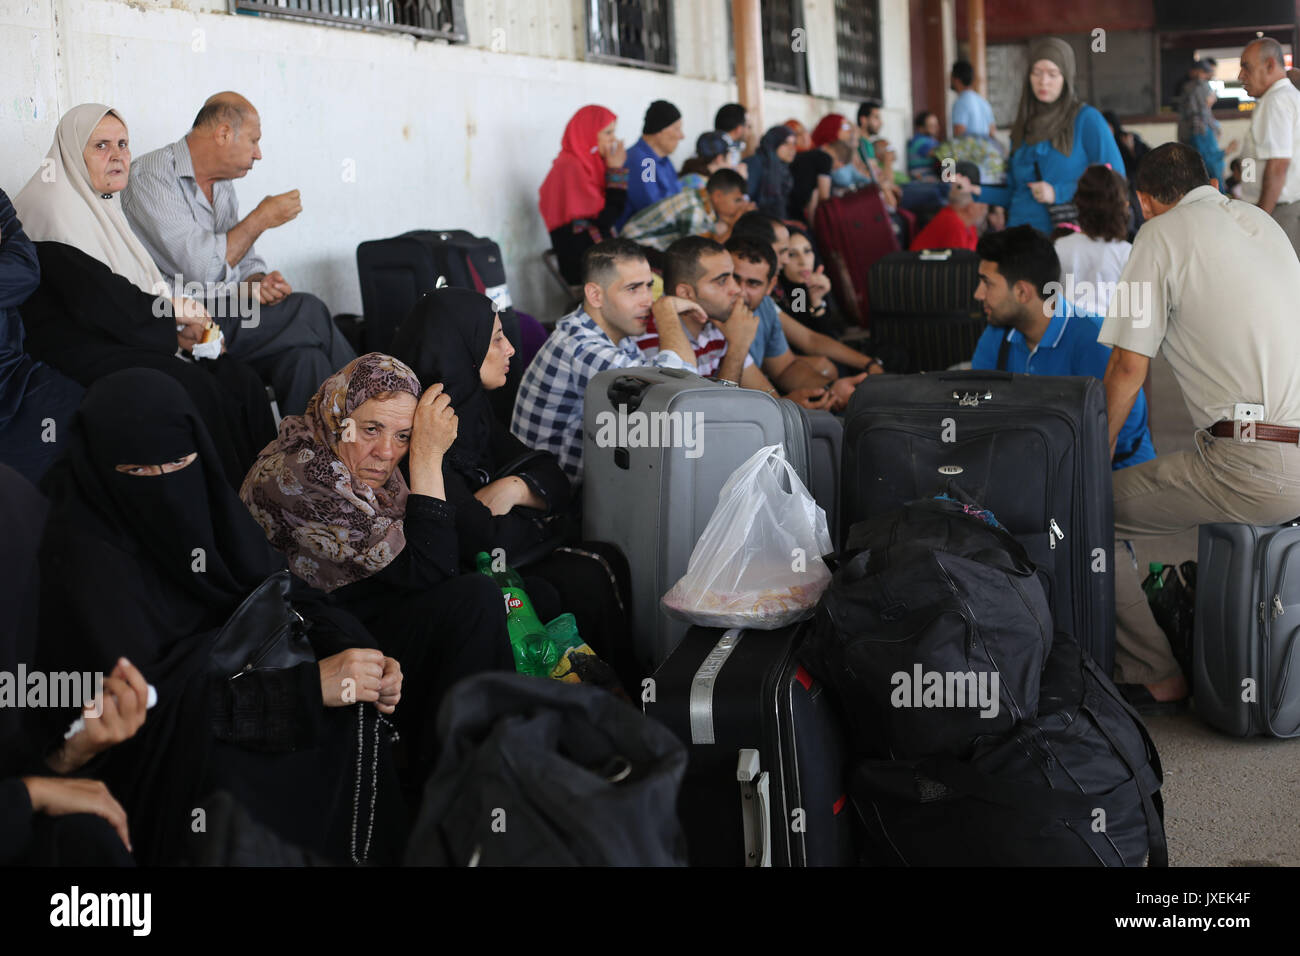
(330, 497)
(1055, 137)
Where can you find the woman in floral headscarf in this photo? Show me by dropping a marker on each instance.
(330, 497)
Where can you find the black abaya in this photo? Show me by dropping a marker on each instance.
(150, 567)
(446, 339)
(87, 322)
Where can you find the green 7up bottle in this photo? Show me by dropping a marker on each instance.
(535, 654)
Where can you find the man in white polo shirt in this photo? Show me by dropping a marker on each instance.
(1273, 143)
(1215, 282)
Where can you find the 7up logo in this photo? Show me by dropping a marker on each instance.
(512, 603)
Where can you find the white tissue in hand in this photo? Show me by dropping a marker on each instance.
(209, 350)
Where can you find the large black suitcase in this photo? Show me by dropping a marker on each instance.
(924, 303)
(934, 282)
(1246, 661)
(395, 272)
(1032, 449)
(765, 782)
(932, 343)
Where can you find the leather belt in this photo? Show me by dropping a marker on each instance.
(1263, 432)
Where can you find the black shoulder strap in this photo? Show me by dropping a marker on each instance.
(1004, 350)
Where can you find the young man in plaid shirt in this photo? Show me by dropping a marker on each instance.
(600, 334)
(710, 211)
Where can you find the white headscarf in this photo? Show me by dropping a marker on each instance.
(59, 204)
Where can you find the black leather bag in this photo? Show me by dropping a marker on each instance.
(265, 632)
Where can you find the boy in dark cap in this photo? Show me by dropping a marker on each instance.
(650, 173)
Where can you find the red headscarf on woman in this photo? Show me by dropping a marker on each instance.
(829, 129)
(575, 186)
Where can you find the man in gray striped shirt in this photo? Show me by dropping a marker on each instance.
(180, 201)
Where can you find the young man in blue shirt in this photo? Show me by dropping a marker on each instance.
(651, 176)
(1034, 329)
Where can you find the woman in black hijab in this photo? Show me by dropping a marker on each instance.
(507, 495)
(504, 493)
(147, 553)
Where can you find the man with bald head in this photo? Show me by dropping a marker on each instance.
(1271, 156)
(180, 201)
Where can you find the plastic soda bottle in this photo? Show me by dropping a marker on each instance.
(534, 652)
(1155, 580)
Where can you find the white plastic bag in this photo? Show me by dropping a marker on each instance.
(758, 563)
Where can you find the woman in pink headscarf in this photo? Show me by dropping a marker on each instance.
(584, 193)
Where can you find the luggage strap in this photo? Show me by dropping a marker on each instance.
(1146, 775)
(1004, 349)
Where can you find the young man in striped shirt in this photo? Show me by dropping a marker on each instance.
(700, 270)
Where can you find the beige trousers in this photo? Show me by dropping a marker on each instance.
(1221, 480)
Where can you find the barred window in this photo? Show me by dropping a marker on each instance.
(631, 32)
(857, 39)
(785, 45)
(434, 19)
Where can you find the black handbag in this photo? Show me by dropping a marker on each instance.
(264, 632)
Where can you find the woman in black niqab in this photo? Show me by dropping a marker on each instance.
(150, 566)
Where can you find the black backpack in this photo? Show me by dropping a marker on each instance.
(937, 589)
(1077, 785)
(537, 772)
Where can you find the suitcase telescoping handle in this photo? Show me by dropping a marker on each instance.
(755, 800)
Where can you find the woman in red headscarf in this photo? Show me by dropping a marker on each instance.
(584, 193)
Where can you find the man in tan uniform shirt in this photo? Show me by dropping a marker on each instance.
(1218, 279)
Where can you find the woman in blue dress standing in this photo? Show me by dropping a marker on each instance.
(1054, 139)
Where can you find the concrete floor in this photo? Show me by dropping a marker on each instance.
(1228, 801)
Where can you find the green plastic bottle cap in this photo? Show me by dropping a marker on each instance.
(1155, 567)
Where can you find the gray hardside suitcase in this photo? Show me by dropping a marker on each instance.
(1246, 662)
(826, 445)
(654, 502)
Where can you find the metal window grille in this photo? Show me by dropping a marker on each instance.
(631, 33)
(434, 19)
(785, 45)
(857, 40)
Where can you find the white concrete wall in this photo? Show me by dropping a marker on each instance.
(439, 135)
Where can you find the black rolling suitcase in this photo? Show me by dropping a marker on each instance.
(1246, 662)
(924, 303)
(396, 272)
(1032, 449)
(925, 283)
(765, 782)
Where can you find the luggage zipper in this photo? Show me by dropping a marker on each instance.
(1278, 609)
(1053, 533)
(271, 641)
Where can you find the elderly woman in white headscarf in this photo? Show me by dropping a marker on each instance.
(102, 305)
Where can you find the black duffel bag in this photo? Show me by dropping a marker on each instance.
(939, 593)
(1077, 785)
(537, 772)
